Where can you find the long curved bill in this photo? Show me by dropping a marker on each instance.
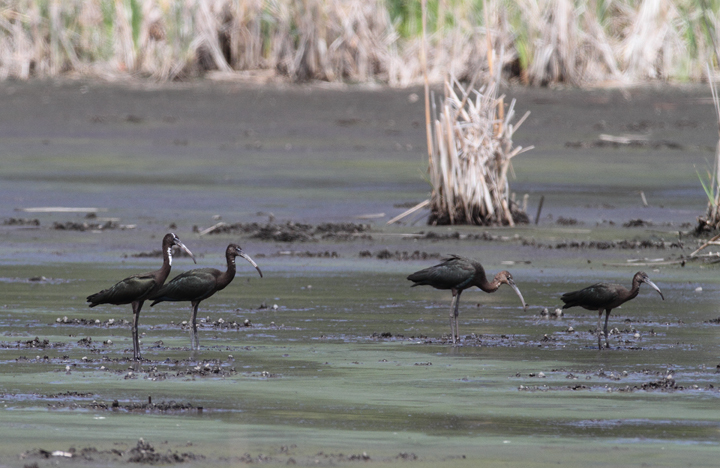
(654, 286)
(517, 291)
(182, 246)
(252, 262)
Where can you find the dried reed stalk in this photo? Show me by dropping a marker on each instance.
(712, 190)
(471, 157)
(544, 41)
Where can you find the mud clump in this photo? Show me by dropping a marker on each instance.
(35, 343)
(624, 244)
(567, 221)
(341, 457)
(637, 223)
(85, 342)
(21, 222)
(143, 453)
(70, 395)
(211, 368)
(91, 322)
(704, 228)
(471, 340)
(295, 232)
(145, 407)
(605, 245)
(386, 254)
(75, 226)
(307, 254)
(665, 384)
(222, 324)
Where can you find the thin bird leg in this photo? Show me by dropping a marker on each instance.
(193, 326)
(599, 330)
(456, 314)
(607, 316)
(452, 316)
(137, 305)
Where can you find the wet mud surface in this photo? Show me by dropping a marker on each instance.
(331, 358)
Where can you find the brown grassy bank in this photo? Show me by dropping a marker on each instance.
(580, 42)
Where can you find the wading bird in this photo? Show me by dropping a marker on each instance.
(457, 274)
(606, 297)
(199, 284)
(137, 288)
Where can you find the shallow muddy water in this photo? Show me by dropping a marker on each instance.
(341, 361)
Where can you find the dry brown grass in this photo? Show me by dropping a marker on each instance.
(541, 41)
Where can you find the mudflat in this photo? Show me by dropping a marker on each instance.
(331, 358)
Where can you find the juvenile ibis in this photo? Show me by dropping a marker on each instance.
(199, 284)
(137, 288)
(457, 274)
(606, 297)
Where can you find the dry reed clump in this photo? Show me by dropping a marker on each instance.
(540, 41)
(711, 222)
(471, 156)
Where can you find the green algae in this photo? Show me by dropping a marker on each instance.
(321, 378)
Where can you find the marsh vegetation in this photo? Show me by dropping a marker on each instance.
(536, 42)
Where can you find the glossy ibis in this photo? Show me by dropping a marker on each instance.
(199, 284)
(606, 297)
(137, 288)
(457, 274)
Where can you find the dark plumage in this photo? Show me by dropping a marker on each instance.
(457, 274)
(137, 288)
(606, 297)
(199, 284)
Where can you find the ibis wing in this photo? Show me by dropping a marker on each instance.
(593, 297)
(453, 273)
(134, 288)
(193, 285)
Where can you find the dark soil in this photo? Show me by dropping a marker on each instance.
(85, 226)
(625, 244)
(295, 232)
(21, 222)
(145, 407)
(35, 343)
(385, 254)
(306, 254)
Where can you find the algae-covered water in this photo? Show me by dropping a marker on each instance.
(340, 361)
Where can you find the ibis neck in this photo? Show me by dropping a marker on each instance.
(167, 262)
(486, 286)
(229, 274)
(632, 294)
